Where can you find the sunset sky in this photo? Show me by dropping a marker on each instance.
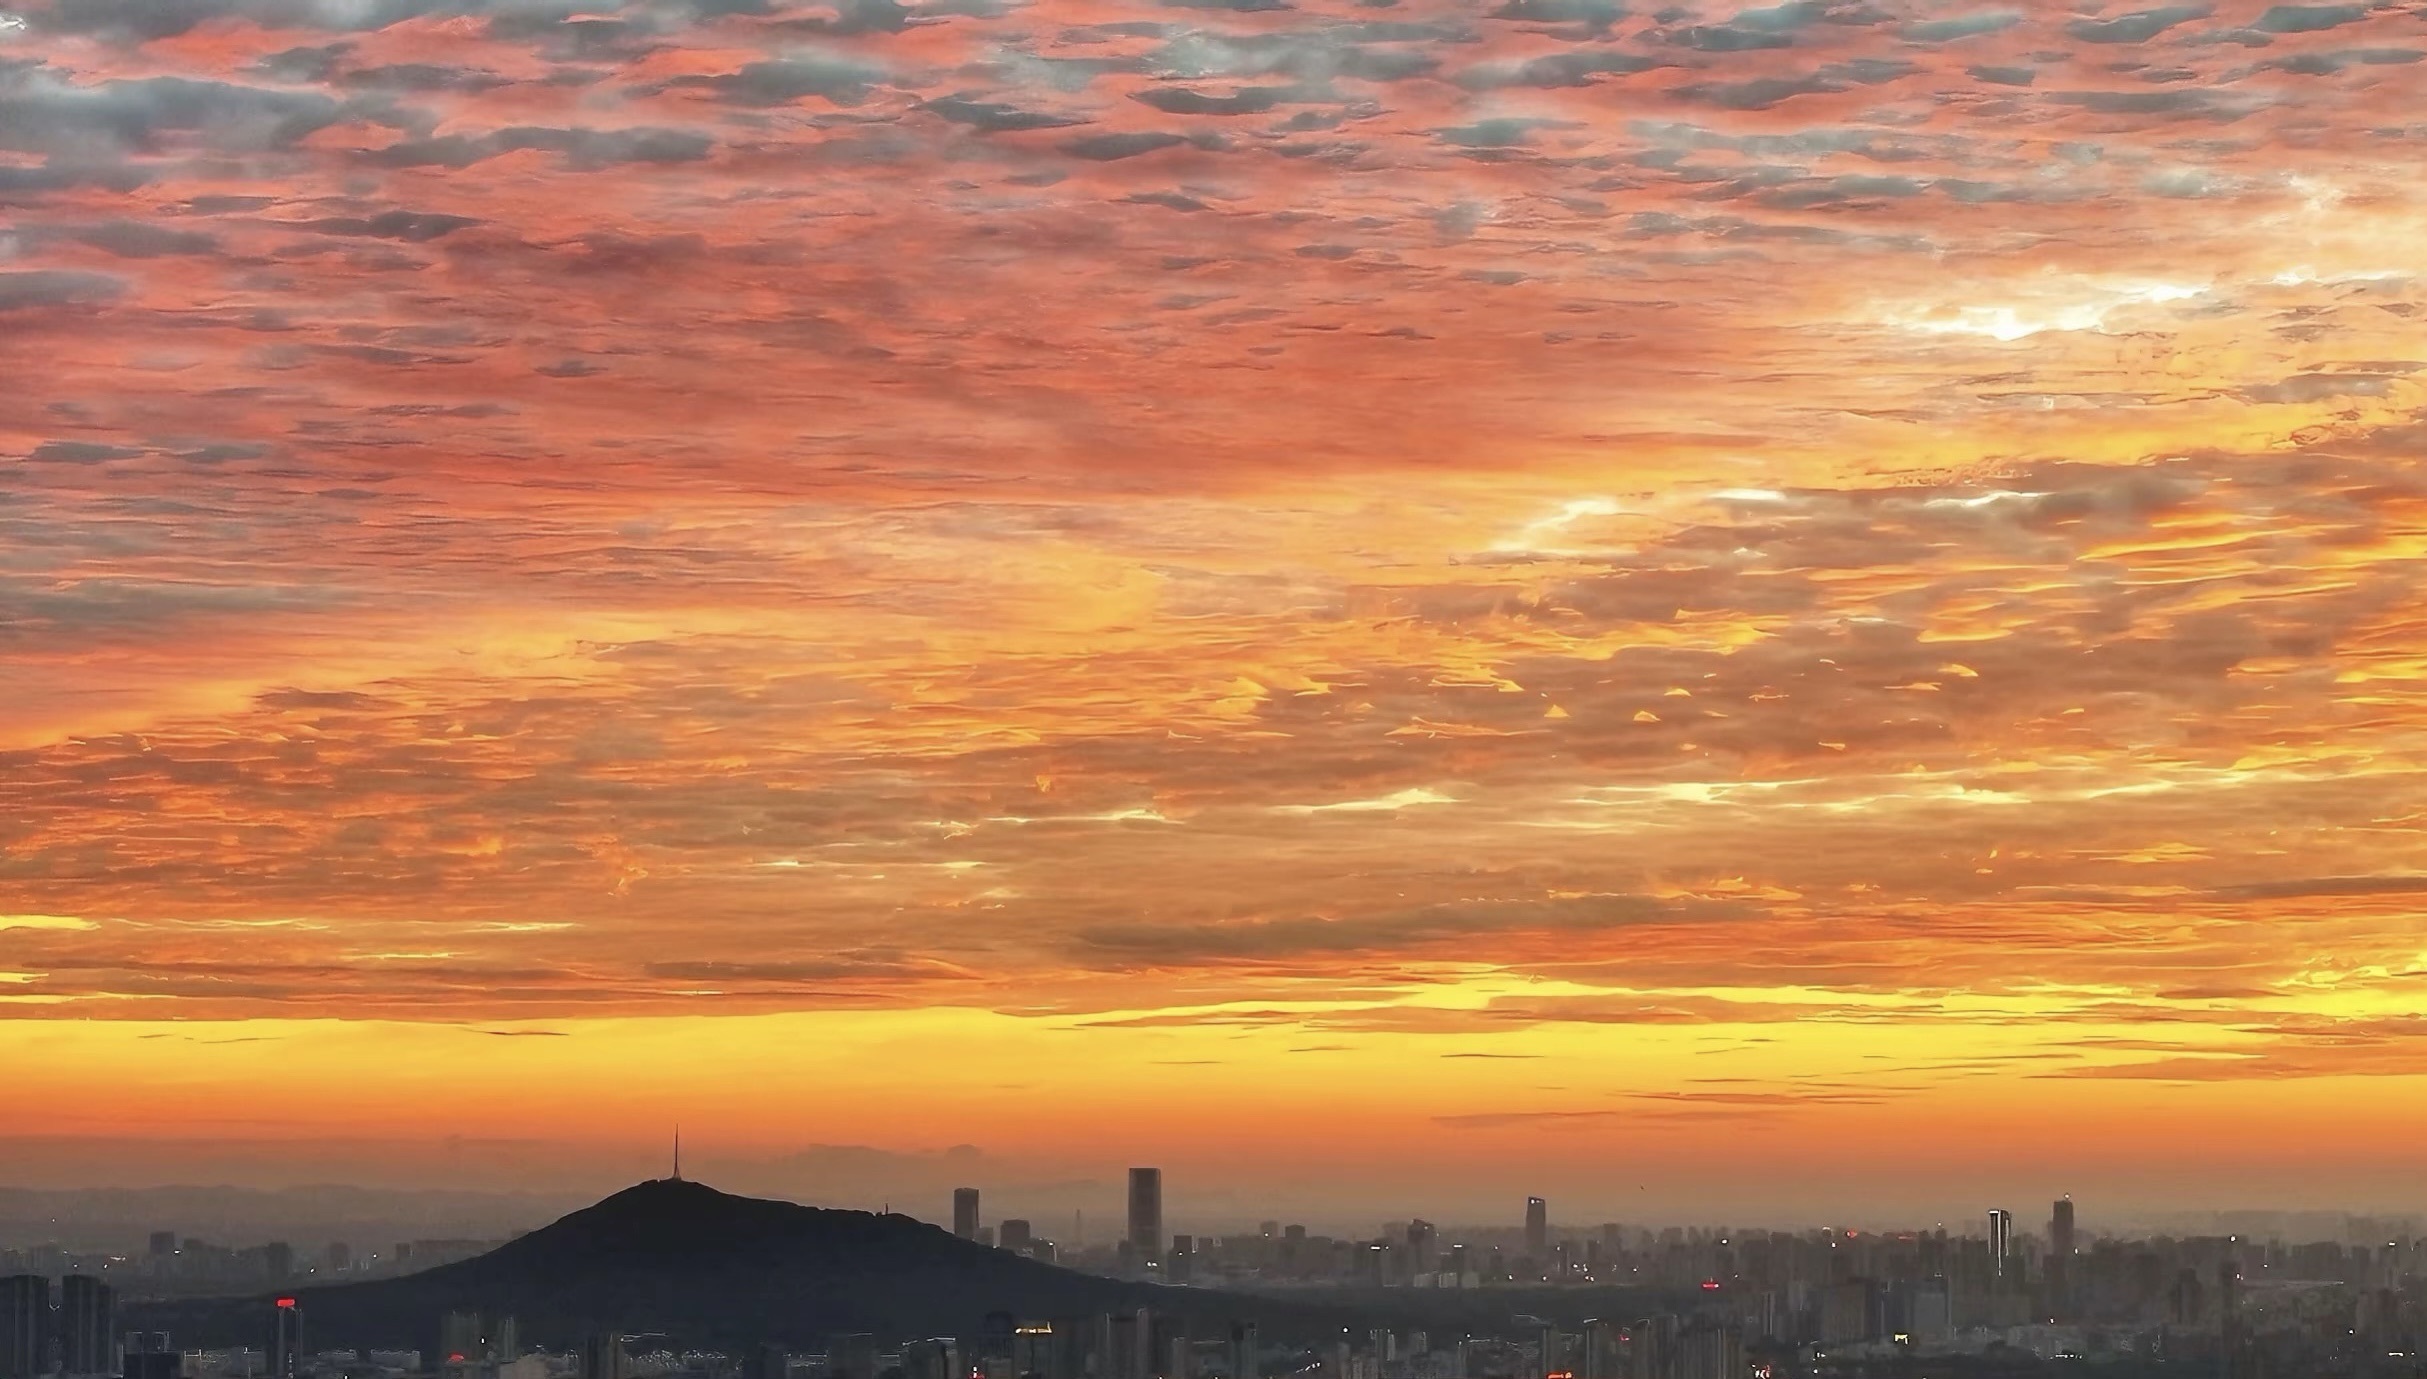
(1381, 602)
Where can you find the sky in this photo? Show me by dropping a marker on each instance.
(1805, 610)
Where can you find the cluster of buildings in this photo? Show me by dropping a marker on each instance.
(1143, 1250)
(1693, 1303)
(171, 1264)
(77, 1336)
(1146, 1344)
(1734, 1297)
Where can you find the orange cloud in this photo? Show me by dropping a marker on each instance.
(1873, 552)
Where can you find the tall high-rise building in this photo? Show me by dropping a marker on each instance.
(1537, 1226)
(1123, 1342)
(25, 1326)
(603, 1357)
(767, 1360)
(965, 1212)
(286, 1338)
(2060, 1258)
(164, 1244)
(460, 1341)
(1246, 1352)
(851, 1355)
(1015, 1235)
(1709, 1351)
(478, 1338)
(938, 1357)
(148, 1355)
(88, 1325)
(1604, 1352)
(1146, 1213)
(2001, 1241)
(1033, 1347)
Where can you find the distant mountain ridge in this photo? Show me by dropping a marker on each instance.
(683, 1259)
(106, 1219)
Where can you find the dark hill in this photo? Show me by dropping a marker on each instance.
(709, 1269)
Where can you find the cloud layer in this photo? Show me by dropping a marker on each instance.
(1437, 526)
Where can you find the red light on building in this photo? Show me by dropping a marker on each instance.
(286, 1302)
(1710, 1285)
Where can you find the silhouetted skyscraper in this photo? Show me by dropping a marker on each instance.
(851, 1355)
(1146, 1213)
(88, 1325)
(25, 1325)
(602, 1357)
(767, 1360)
(965, 1212)
(286, 1338)
(1246, 1352)
(148, 1355)
(1121, 1342)
(2001, 1241)
(938, 1357)
(1537, 1227)
(477, 1338)
(1015, 1235)
(1033, 1348)
(2060, 1257)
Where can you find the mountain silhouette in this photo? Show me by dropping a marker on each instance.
(706, 1268)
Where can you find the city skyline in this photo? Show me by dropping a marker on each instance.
(1697, 1303)
(926, 1186)
(977, 1214)
(1766, 610)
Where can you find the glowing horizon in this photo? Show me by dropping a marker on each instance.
(1349, 593)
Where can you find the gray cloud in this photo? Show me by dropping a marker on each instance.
(1104, 148)
(140, 20)
(82, 452)
(582, 148)
(1173, 100)
(39, 113)
(56, 287)
(782, 81)
(2137, 27)
(413, 227)
(1962, 26)
(134, 239)
(991, 118)
(1577, 68)
(1278, 939)
(2302, 19)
